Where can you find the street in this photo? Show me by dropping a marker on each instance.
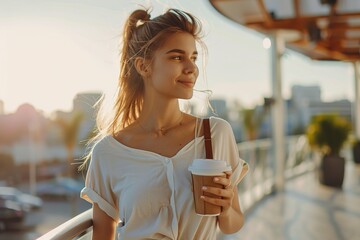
(52, 214)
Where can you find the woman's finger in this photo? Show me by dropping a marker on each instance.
(225, 193)
(226, 203)
(223, 181)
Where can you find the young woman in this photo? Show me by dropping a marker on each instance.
(138, 178)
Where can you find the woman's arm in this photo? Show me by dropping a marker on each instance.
(103, 225)
(231, 218)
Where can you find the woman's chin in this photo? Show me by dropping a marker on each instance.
(188, 96)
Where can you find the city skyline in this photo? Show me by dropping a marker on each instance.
(54, 50)
(231, 102)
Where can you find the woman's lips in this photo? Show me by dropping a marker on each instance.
(186, 83)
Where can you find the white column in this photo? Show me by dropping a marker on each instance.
(356, 108)
(277, 111)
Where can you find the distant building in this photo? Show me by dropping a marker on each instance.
(220, 108)
(62, 115)
(302, 95)
(84, 103)
(341, 107)
(305, 103)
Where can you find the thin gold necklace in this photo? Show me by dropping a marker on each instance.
(163, 131)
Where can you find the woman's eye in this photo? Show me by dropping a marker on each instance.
(179, 58)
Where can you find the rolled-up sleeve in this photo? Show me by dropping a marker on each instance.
(97, 185)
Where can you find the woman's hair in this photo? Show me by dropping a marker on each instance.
(142, 36)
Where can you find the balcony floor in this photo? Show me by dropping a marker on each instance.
(307, 210)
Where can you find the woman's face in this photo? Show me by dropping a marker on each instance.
(173, 71)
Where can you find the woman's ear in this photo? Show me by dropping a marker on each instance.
(142, 67)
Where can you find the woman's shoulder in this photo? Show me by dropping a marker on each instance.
(107, 151)
(219, 124)
(102, 144)
(220, 128)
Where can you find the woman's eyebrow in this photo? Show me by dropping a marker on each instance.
(180, 51)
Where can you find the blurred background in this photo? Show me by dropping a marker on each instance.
(59, 57)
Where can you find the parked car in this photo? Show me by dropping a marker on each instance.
(62, 187)
(26, 201)
(10, 213)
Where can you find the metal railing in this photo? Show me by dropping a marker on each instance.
(261, 177)
(258, 183)
(79, 227)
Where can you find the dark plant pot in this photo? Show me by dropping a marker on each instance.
(356, 152)
(332, 171)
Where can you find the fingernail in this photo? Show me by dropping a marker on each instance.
(216, 179)
(204, 188)
(202, 197)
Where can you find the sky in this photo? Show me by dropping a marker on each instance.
(50, 50)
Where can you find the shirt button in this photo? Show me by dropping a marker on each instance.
(167, 161)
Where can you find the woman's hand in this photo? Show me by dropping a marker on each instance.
(231, 218)
(226, 192)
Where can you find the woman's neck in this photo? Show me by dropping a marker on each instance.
(160, 115)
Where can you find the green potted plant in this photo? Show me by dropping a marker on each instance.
(328, 133)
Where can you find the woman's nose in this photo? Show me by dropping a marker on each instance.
(190, 67)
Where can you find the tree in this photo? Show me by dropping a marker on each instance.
(252, 121)
(70, 131)
(7, 169)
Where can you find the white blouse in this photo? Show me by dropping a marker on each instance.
(150, 195)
